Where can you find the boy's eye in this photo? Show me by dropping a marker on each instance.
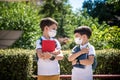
(54, 29)
(76, 36)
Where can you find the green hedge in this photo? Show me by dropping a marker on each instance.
(108, 62)
(15, 64)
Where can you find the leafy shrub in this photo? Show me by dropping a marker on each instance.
(105, 37)
(16, 64)
(108, 61)
(20, 16)
(24, 16)
(65, 65)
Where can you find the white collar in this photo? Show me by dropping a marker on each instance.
(85, 45)
(46, 39)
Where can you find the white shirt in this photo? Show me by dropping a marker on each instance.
(86, 73)
(48, 67)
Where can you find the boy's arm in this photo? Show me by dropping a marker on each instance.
(45, 55)
(75, 55)
(48, 55)
(72, 57)
(88, 61)
(74, 62)
(56, 52)
(38, 49)
(39, 53)
(56, 55)
(59, 56)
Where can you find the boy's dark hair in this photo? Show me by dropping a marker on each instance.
(47, 22)
(84, 30)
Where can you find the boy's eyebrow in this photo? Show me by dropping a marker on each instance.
(54, 28)
(76, 36)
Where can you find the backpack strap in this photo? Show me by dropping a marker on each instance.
(94, 65)
(40, 40)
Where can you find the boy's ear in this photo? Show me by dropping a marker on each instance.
(46, 27)
(84, 36)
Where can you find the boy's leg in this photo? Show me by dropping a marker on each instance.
(55, 77)
(42, 77)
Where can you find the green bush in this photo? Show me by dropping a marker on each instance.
(65, 65)
(108, 61)
(105, 37)
(24, 16)
(21, 16)
(16, 64)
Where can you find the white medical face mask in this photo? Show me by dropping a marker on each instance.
(78, 41)
(52, 33)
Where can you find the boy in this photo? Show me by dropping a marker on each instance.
(48, 66)
(83, 58)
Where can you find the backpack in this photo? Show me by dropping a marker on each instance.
(77, 49)
(94, 65)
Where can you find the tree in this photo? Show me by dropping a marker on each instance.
(22, 16)
(68, 21)
(60, 11)
(104, 10)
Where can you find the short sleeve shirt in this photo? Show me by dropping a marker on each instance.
(88, 70)
(48, 67)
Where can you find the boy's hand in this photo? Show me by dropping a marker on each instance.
(47, 55)
(41, 55)
(56, 52)
(84, 50)
(74, 62)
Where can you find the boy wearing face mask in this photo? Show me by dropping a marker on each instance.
(82, 56)
(48, 66)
